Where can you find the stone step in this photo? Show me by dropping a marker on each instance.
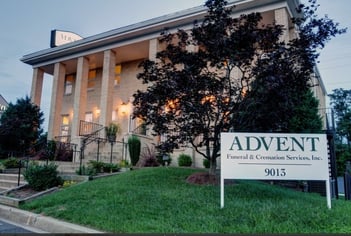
(13, 171)
(10, 183)
(3, 189)
(13, 177)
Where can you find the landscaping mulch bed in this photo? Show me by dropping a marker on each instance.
(22, 193)
(203, 178)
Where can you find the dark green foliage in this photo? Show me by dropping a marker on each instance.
(266, 111)
(342, 155)
(95, 167)
(111, 131)
(42, 177)
(305, 117)
(340, 100)
(110, 167)
(86, 171)
(134, 146)
(20, 126)
(11, 162)
(194, 94)
(184, 160)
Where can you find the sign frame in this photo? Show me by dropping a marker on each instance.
(274, 156)
(61, 37)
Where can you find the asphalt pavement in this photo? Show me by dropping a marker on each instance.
(19, 220)
(9, 227)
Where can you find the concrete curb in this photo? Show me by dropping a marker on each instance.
(44, 223)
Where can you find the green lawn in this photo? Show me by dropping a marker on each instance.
(158, 200)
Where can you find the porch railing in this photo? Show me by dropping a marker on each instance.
(89, 128)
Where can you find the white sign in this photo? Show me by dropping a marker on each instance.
(59, 37)
(268, 156)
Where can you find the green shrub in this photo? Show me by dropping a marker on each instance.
(97, 166)
(41, 177)
(206, 163)
(124, 163)
(86, 171)
(11, 162)
(184, 160)
(134, 146)
(110, 167)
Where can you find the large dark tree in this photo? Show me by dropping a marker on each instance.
(279, 97)
(203, 78)
(20, 126)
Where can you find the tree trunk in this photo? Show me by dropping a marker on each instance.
(213, 166)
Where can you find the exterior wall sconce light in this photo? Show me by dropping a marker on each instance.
(124, 108)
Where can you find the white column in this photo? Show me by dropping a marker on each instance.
(281, 17)
(108, 76)
(152, 49)
(80, 97)
(37, 86)
(56, 101)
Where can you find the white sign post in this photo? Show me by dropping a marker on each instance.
(274, 156)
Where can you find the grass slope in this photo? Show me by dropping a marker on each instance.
(158, 200)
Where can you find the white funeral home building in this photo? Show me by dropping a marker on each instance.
(94, 78)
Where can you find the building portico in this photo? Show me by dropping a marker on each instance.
(94, 78)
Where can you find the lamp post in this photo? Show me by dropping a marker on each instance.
(111, 134)
(111, 139)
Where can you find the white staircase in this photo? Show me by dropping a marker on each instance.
(9, 181)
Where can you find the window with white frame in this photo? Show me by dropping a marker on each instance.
(65, 128)
(118, 71)
(69, 84)
(91, 80)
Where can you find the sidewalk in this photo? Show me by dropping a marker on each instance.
(40, 222)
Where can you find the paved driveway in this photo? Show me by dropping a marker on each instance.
(7, 227)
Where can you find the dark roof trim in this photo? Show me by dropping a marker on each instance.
(142, 29)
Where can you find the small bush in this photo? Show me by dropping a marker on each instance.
(124, 163)
(86, 171)
(110, 167)
(11, 162)
(184, 160)
(148, 158)
(97, 165)
(68, 183)
(41, 177)
(206, 163)
(134, 146)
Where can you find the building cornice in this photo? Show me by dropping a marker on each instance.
(145, 29)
